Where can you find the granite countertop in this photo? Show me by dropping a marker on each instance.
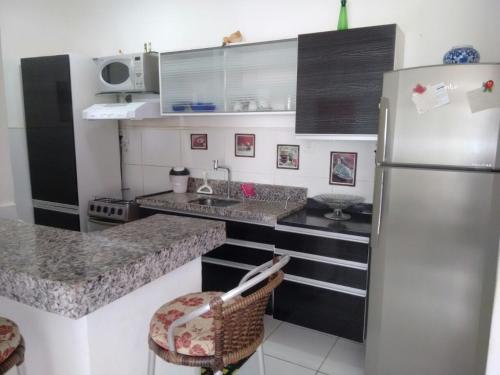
(73, 274)
(266, 207)
(257, 211)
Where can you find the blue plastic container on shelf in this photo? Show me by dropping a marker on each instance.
(462, 55)
(180, 107)
(199, 107)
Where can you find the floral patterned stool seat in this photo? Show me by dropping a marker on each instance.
(214, 330)
(11, 346)
(196, 338)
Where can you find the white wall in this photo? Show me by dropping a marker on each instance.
(7, 206)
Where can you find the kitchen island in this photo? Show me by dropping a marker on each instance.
(83, 301)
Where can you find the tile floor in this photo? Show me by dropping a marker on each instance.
(294, 350)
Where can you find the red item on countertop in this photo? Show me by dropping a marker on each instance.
(248, 190)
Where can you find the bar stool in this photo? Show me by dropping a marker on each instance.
(215, 329)
(11, 347)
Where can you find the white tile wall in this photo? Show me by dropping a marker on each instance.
(133, 181)
(156, 179)
(150, 150)
(161, 147)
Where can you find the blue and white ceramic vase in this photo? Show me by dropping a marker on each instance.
(462, 55)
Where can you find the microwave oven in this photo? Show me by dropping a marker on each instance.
(134, 73)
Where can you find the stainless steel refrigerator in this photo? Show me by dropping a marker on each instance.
(436, 221)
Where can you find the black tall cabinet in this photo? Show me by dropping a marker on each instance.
(339, 78)
(51, 140)
(52, 120)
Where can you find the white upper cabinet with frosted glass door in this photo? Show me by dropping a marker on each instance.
(244, 78)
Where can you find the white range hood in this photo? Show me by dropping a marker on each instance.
(122, 111)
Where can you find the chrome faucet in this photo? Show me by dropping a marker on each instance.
(216, 167)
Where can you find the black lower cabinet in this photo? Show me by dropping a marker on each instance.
(57, 219)
(327, 247)
(329, 273)
(321, 309)
(219, 278)
(241, 254)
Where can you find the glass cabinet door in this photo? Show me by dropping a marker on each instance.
(192, 81)
(242, 78)
(261, 77)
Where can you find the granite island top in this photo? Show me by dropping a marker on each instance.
(73, 273)
(257, 211)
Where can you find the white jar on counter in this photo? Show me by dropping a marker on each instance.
(179, 177)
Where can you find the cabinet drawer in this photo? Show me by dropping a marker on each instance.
(322, 271)
(323, 246)
(324, 310)
(241, 254)
(250, 232)
(217, 277)
(57, 219)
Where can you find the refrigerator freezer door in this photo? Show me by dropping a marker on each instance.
(448, 136)
(433, 261)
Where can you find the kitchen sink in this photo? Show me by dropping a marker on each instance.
(214, 202)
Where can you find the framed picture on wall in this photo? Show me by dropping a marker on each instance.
(343, 168)
(287, 156)
(199, 142)
(244, 145)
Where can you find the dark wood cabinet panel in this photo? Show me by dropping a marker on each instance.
(47, 92)
(329, 273)
(222, 279)
(57, 219)
(240, 254)
(52, 162)
(352, 251)
(250, 232)
(48, 110)
(339, 79)
(321, 309)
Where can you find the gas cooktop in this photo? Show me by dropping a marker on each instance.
(113, 209)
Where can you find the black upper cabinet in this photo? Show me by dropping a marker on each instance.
(47, 92)
(339, 79)
(48, 109)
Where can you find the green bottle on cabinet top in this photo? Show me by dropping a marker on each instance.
(342, 16)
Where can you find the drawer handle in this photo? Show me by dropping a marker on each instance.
(250, 244)
(324, 285)
(323, 259)
(319, 233)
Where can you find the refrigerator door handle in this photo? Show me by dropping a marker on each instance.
(380, 206)
(383, 124)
